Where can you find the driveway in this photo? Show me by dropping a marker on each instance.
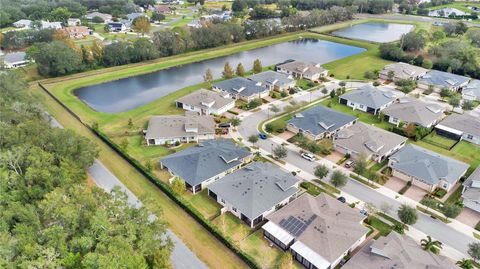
(415, 193)
(469, 217)
(395, 184)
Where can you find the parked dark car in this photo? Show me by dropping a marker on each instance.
(262, 136)
(225, 125)
(342, 199)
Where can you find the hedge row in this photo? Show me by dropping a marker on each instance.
(184, 204)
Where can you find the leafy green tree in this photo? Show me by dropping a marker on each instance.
(56, 58)
(227, 71)
(451, 210)
(156, 16)
(141, 25)
(321, 171)
(429, 244)
(124, 144)
(468, 105)
(474, 251)
(240, 70)
(257, 66)
(430, 202)
(407, 214)
(338, 179)
(253, 139)
(208, 77)
(280, 152)
(61, 14)
(454, 101)
(361, 165)
(465, 264)
(236, 122)
(178, 186)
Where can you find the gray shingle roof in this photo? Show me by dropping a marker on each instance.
(396, 252)
(427, 165)
(370, 96)
(404, 70)
(208, 159)
(205, 99)
(465, 123)
(14, 57)
(167, 126)
(271, 78)
(256, 188)
(331, 227)
(443, 79)
(241, 86)
(320, 119)
(473, 88)
(368, 139)
(415, 111)
(302, 67)
(471, 195)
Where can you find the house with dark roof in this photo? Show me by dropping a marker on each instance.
(15, 59)
(203, 164)
(460, 127)
(206, 102)
(77, 32)
(396, 251)
(402, 71)
(440, 80)
(426, 169)
(410, 110)
(319, 122)
(241, 88)
(368, 99)
(169, 129)
(318, 231)
(104, 16)
(472, 91)
(299, 69)
(254, 191)
(118, 26)
(165, 9)
(364, 139)
(471, 191)
(274, 80)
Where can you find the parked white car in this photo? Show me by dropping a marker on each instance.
(308, 156)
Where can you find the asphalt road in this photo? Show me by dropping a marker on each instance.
(181, 257)
(425, 224)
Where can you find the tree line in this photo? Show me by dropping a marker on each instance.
(62, 56)
(49, 216)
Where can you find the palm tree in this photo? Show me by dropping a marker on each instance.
(465, 264)
(428, 244)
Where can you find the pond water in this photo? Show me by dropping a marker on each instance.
(375, 32)
(128, 93)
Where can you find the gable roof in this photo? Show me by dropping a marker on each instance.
(396, 252)
(369, 96)
(302, 67)
(413, 110)
(205, 99)
(471, 195)
(167, 126)
(241, 86)
(462, 122)
(14, 57)
(404, 70)
(94, 14)
(426, 165)
(443, 79)
(368, 139)
(133, 16)
(325, 229)
(256, 188)
(472, 89)
(271, 78)
(206, 160)
(320, 119)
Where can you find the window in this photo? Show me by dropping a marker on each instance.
(361, 106)
(223, 201)
(234, 209)
(469, 136)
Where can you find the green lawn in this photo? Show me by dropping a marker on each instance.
(204, 203)
(458, 5)
(380, 226)
(362, 116)
(438, 140)
(183, 21)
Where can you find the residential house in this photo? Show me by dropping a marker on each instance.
(368, 99)
(241, 88)
(22, 24)
(460, 127)
(73, 22)
(51, 25)
(206, 102)
(319, 122)
(301, 70)
(254, 191)
(210, 160)
(446, 12)
(471, 191)
(15, 59)
(132, 16)
(164, 9)
(396, 251)
(119, 26)
(472, 91)
(410, 110)
(105, 17)
(274, 80)
(426, 169)
(77, 32)
(319, 231)
(364, 139)
(440, 80)
(169, 129)
(402, 71)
